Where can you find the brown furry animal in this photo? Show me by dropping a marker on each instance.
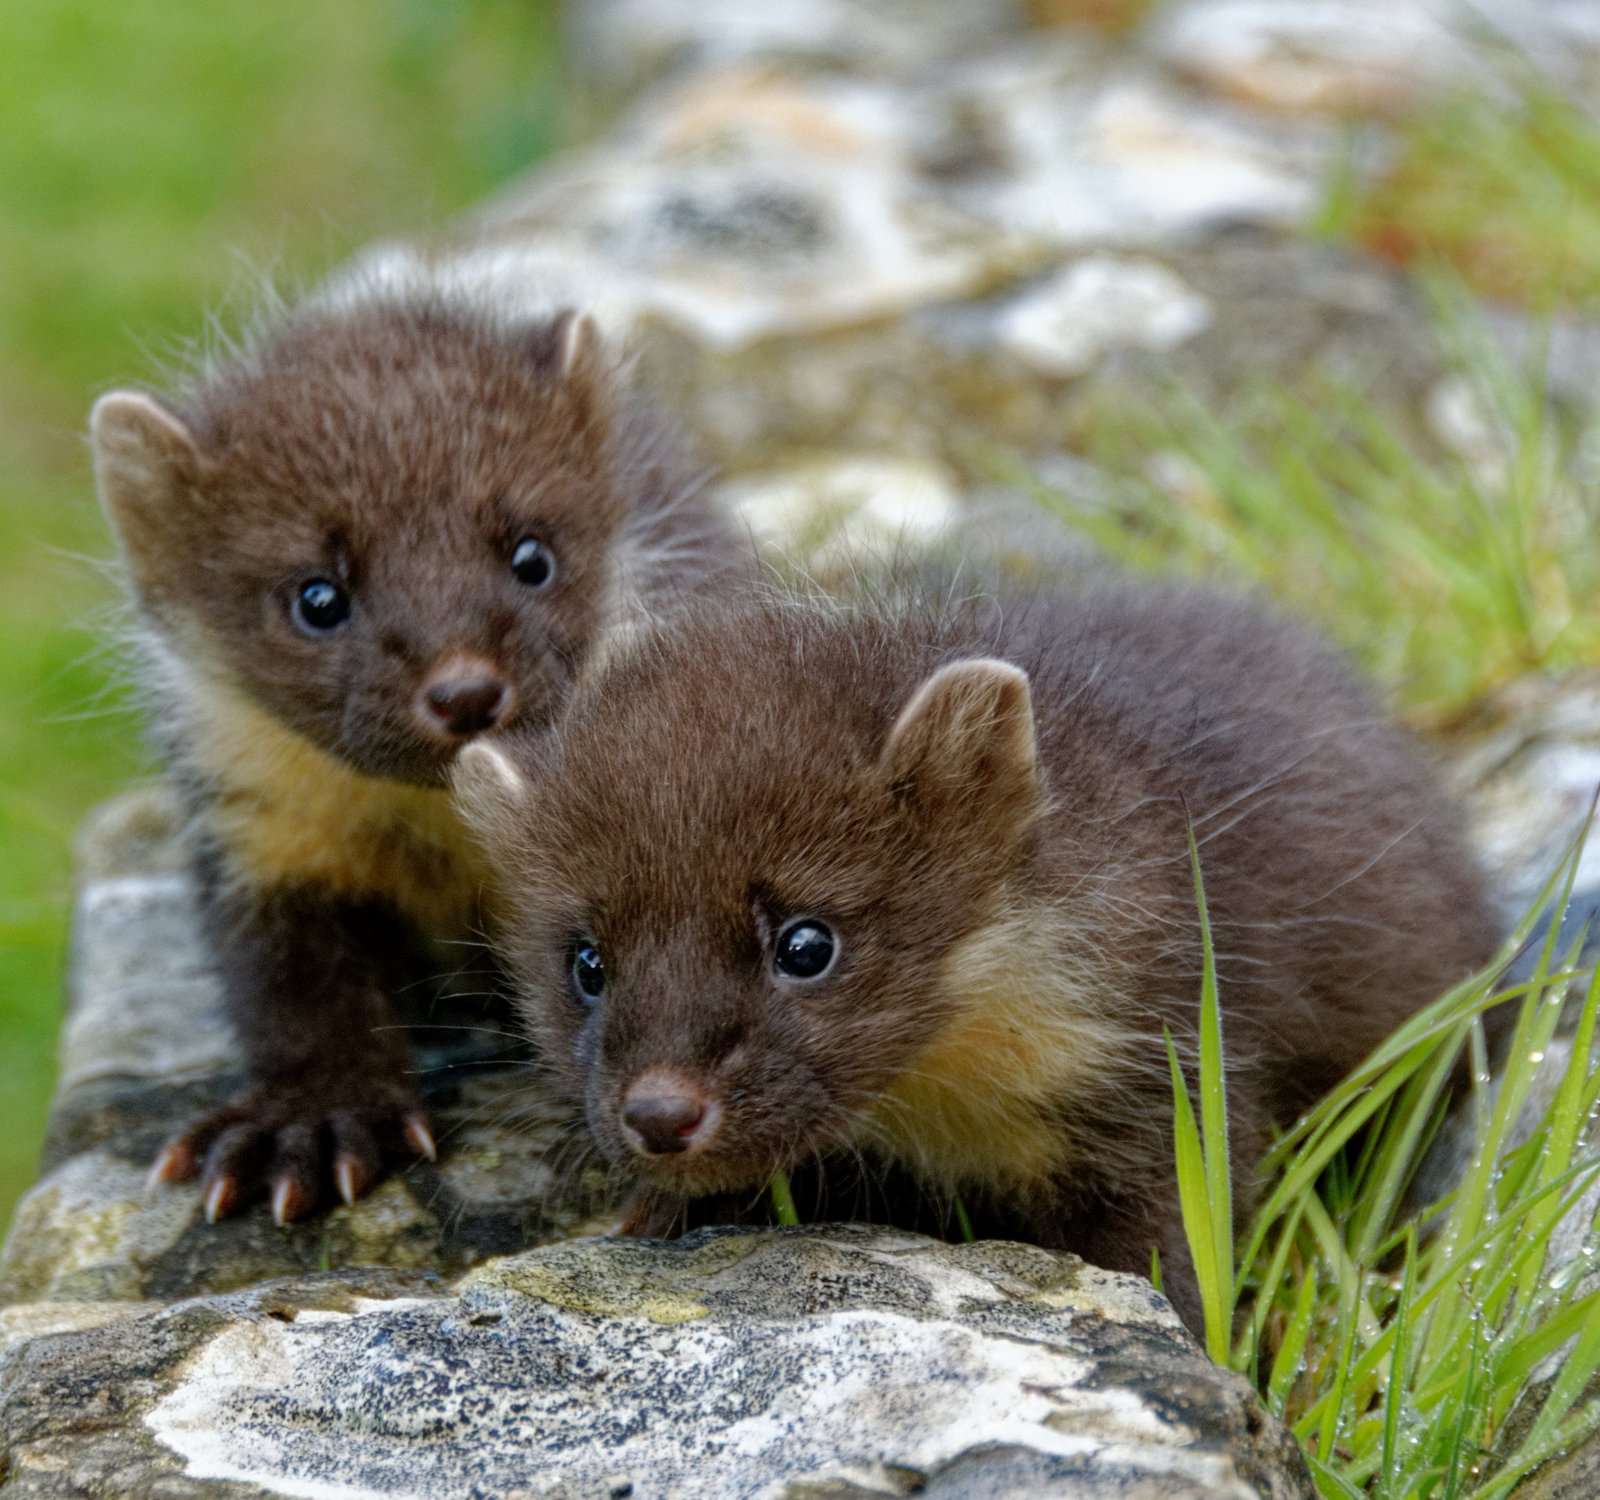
(792, 877)
(384, 527)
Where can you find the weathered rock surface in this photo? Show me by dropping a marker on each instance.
(792, 1363)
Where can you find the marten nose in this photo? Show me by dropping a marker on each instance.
(663, 1115)
(463, 698)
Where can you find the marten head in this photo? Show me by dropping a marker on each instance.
(737, 876)
(394, 525)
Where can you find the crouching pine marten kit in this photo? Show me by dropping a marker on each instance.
(439, 633)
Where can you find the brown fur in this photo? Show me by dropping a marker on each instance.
(1008, 879)
(402, 447)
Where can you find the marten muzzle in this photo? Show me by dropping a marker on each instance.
(664, 1114)
(462, 697)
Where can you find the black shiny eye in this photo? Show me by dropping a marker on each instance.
(588, 973)
(533, 562)
(804, 950)
(320, 606)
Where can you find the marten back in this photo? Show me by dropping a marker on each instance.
(797, 876)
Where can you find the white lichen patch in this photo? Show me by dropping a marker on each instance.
(848, 503)
(1097, 306)
(501, 1392)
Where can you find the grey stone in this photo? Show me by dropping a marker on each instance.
(620, 46)
(1299, 55)
(783, 1363)
(1529, 767)
(1574, 1476)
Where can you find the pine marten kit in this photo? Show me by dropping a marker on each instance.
(383, 527)
(436, 629)
(909, 879)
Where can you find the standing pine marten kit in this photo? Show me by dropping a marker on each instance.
(796, 876)
(384, 526)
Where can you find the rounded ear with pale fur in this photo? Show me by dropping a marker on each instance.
(489, 789)
(963, 750)
(146, 464)
(570, 348)
(577, 342)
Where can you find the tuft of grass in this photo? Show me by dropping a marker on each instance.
(1443, 1354)
(1445, 573)
(1507, 194)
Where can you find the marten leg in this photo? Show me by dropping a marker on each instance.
(329, 1100)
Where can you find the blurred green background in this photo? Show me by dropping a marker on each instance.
(153, 157)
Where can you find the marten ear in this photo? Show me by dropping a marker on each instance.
(577, 342)
(145, 463)
(963, 749)
(488, 787)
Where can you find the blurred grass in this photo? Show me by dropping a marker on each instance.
(1505, 193)
(1447, 574)
(149, 155)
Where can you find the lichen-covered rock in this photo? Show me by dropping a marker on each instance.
(782, 1363)
(1298, 55)
(1382, 56)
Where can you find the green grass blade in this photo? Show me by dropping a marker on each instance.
(1394, 1394)
(1195, 1199)
(1214, 1116)
(1286, 1365)
(963, 1221)
(1457, 1450)
(782, 1199)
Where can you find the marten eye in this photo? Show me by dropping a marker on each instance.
(588, 973)
(805, 950)
(320, 606)
(533, 562)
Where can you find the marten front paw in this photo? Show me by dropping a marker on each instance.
(295, 1144)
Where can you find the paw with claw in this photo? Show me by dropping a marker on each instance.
(300, 1145)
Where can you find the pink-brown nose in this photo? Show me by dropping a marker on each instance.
(463, 698)
(663, 1115)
